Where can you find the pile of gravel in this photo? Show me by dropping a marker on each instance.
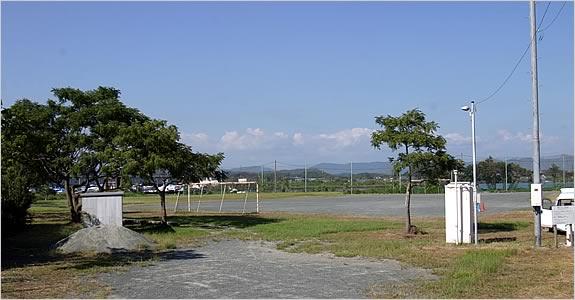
(104, 239)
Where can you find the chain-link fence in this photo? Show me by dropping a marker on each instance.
(512, 174)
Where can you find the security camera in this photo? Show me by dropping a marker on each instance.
(465, 108)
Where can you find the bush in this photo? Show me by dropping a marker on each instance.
(16, 198)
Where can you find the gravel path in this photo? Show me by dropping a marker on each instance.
(240, 269)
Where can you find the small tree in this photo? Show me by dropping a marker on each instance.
(422, 151)
(554, 172)
(152, 151)
(491, 172)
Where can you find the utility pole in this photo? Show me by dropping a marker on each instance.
(275, 175)
(536, 142)
(351, 178)
(305, 177)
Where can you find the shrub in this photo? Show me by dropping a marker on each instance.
(16, 198)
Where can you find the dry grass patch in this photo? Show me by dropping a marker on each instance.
(50, 281)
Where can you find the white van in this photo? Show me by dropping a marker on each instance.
(566, 197)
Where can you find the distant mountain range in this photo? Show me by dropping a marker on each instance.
(385, 168)
(376, 167)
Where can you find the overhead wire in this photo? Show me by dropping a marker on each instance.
(555, 18)
(522, 55)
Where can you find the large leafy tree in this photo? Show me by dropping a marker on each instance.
(23, 139)
(69, 140)
(421, 151)
(152, 151)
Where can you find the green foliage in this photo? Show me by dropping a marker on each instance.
(16, 197)
(87, 123)
(491, 172)
(22, 141)
(69, 140)
(90, 136)
(422, 150)
(554, 172)
(151, 150)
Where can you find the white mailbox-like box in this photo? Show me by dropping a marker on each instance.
(459, 213)
(536, 194)
(106, 206)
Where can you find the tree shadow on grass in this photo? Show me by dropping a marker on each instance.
(34, 244)
(207, 221)
(500, 226)
(497, 240)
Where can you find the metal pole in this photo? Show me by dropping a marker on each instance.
(305, 178)
(535, 95)
(475, 185)
(563, 168)
(177, 199)
(246, 199)
(506, 174)
(262, 176)
(257, 198)
(189, 200)
(351, 178)
(275, 175)
(223, 194)
(200, 198)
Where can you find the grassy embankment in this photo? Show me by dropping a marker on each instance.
(504, 264)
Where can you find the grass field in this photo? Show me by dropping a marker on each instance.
(504, 265)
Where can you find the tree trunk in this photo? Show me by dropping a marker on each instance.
(163, 203)
(73, 202)
(408, 227)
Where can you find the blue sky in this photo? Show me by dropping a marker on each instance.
(299, 81)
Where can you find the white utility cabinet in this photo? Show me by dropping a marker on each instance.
(459, 213)
(106, 206)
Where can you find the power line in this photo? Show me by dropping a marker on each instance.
(508, 76)
(555, 18)
(521, 58)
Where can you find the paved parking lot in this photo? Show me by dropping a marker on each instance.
(361, 205)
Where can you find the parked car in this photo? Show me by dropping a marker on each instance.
(58, 190)
(565, 198)
(148, 189)
(93, 189)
